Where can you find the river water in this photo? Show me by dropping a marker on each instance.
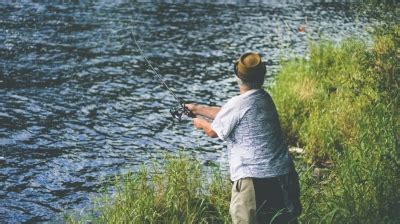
(78, 105)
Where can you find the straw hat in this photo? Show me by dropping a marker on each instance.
(250, 68)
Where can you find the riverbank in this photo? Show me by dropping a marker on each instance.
(176, 192)
(340, 105)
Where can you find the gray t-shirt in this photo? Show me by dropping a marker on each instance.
(249, 124)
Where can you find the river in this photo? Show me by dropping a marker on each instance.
(78, 104)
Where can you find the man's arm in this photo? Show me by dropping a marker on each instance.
(203, 110)
(200, 123)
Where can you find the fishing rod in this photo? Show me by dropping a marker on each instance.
(176, 112)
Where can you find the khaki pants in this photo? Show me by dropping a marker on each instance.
(265, 200)
(243, 201)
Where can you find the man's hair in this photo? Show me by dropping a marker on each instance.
(249, 85)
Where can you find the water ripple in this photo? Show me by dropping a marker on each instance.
(78, 104)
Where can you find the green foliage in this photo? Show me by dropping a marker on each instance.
(173, 193)
(342, 106)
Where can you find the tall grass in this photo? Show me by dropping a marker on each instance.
(176, 192)
(342, 106)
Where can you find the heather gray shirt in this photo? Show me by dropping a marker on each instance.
(249, 124)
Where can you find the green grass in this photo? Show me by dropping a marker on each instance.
(341, 106)
(176, 192)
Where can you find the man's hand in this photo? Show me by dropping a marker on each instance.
(200, 123)
(203, 110)
(191, 107)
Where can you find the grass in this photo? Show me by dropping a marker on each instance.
(176, 192)
(341, 106)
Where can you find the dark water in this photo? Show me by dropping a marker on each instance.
(77, 104)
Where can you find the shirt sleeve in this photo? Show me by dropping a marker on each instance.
(226, 120)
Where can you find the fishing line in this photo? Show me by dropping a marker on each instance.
(176, 112)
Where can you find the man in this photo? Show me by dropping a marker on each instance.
(265, 185)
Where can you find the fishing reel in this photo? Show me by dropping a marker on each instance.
(178, 112)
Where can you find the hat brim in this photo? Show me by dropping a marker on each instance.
(256, 76)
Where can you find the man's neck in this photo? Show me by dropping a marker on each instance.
(243, 89)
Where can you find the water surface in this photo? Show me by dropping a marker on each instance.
(78, 105)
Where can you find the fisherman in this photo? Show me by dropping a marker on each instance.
(265, 185)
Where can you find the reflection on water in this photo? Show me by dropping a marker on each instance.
(78, 105)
